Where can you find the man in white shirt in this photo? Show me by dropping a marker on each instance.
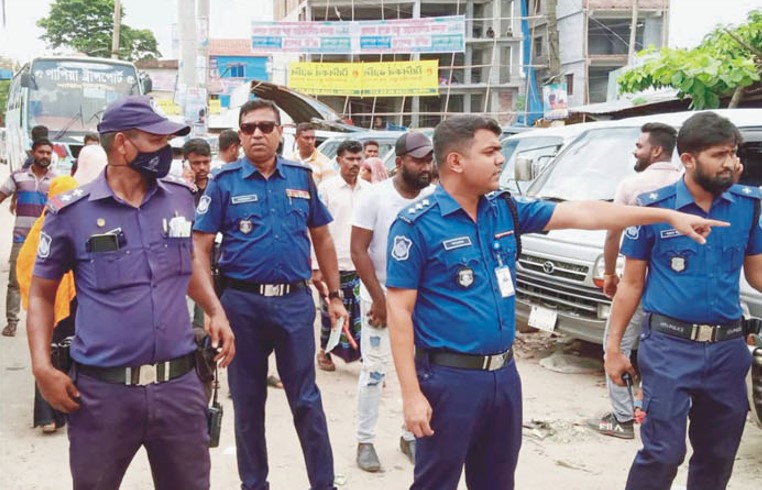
(653, 162)
(373, 217)
(308, 154)
(340, 195)
(228, 148)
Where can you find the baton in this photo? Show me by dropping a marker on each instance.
(628, 380)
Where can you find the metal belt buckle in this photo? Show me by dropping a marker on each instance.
(146, 374)
(272, 290)
(703, 333)
(493, 363)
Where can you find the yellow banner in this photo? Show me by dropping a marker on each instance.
(384, 79)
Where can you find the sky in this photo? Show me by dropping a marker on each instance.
(690, 20)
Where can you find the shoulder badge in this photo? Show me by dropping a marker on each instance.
(292, 163)
(57, 203)
(411, 213)
(746, 191)
(171, 179)
(659, 195)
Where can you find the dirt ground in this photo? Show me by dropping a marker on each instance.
(558, 452)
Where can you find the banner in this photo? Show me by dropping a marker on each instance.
(555, 101)
(392, 79)
(425, 35)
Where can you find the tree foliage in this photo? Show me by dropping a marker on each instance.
(87, 25)
(726, 60)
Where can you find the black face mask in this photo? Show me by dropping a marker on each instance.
(155, 164)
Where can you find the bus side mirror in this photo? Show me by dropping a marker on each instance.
(524, 169)
(26, 80)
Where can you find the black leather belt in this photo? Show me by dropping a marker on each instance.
(465, 361)
(696, 331)
(142, 375)
(268, 290)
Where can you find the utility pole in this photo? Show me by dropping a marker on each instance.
(633, 33)
(117, 28)
(554, 50)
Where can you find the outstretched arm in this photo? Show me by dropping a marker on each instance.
(600, 215)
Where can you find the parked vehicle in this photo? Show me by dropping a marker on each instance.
(538, 145)
(560, 273)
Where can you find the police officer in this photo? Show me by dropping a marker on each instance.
(692, 355)
(451, 280)
(126, 235)
(264, 206)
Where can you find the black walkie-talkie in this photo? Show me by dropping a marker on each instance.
(214, 415)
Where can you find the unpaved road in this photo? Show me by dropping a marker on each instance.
(558, 452)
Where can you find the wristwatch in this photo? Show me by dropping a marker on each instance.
(336, 294)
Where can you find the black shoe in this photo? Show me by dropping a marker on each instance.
(367, 459)
(608, 425)
(408, 449)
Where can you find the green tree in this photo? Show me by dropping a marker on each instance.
(87, 25)
(726, 62)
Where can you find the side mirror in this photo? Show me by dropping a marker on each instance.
(524, 169)
(26, 80)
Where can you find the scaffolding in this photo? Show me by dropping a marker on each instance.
(467, 81)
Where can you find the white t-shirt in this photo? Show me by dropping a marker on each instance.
(376, 211)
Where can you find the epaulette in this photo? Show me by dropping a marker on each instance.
(494, 194)
(226, 169)
(416, 210)
(173, 179)
(746, 191)
(292, 163)
(649, 198)
(59, 202)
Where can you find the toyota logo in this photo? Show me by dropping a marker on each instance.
(548, 267)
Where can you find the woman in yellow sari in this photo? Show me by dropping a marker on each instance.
(44, 415)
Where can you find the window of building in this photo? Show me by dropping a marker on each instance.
(236, 70)
(569, 83)
(538, 47)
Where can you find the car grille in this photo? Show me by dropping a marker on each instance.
(554, 268)
(571, 299)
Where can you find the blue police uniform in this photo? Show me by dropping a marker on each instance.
(464, 323)
(265, 260)
(692, 356)
(131, 318)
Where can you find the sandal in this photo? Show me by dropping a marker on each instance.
(274, 382)
(49, 428)
(9, 330)
(324, 361)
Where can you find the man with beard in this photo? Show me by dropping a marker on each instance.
(653, 162)
(373, 217)
(29, 186)
(451, 298)
(692, 355)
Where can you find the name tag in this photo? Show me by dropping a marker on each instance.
(504, 281)
(670, 233)
(297, 193)
(245, 199)
(452, 244)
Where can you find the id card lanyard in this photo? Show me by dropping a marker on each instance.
(503, 274)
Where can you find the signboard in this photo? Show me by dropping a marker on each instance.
(555, 101)
(392, 79)
(425, 35)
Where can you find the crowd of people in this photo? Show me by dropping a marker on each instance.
(410, 269)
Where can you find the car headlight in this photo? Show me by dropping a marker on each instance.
(599, 269)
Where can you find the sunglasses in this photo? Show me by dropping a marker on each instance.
(266, 127)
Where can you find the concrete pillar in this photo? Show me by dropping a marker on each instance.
(415, 103)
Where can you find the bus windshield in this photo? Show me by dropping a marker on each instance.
(68, 96)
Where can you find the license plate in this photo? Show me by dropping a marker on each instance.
(543, 318)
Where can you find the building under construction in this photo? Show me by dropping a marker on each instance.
(512, 48)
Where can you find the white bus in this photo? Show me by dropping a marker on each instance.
(67, 95)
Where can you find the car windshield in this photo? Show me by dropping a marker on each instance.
(591, 167)
(539, 149)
